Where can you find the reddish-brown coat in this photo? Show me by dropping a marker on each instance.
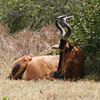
(36, 68)
(72, 62)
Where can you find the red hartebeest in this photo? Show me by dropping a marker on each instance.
(33, 68)
(68, 65)
(71, 59)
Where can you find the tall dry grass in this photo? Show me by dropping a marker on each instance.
(25, 43)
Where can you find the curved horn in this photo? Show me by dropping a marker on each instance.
(60, 17)
(66, 35)
(59, 27)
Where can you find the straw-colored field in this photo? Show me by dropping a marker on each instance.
(49, 90)
(29, 43)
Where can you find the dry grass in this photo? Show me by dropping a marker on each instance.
(38, 43)
(25, 43)
(49, 90)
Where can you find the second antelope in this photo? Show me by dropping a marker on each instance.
(71, 61)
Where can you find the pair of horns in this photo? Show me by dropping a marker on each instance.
(65, 35)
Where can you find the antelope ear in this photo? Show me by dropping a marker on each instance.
(55, 46)
(67, 44)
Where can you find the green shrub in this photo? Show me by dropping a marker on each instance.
(32, 14)
(86, 25)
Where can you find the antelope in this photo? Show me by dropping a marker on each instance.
(69, 64)
(33, 68)
(71, 60)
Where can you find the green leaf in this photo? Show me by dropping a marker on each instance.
(20, 9)
(39, 6)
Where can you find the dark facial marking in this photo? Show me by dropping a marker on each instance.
(62, 44)
(60, 63)
(15, 69)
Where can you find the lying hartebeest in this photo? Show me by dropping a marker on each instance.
(71, 59)
(33, 68)
(68, 65)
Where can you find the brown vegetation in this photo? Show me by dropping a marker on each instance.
(25, 43)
